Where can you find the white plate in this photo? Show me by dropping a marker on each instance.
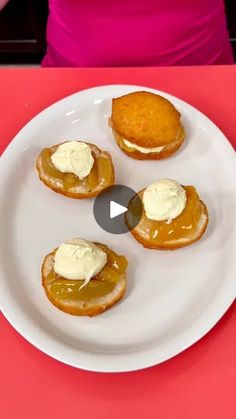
(173, 298)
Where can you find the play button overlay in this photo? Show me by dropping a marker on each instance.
(116, 209)
(114, 213)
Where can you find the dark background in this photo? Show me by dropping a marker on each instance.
(23, 28)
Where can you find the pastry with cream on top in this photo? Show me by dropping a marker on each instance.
(173, 216)
(84, 278)
(75, 169)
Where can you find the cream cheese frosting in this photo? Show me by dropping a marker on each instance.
(79, 259)
(143, 149)
(164, 199)
(73, 157)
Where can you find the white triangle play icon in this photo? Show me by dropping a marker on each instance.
(116, 209)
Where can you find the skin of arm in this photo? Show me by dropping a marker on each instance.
(3, 3)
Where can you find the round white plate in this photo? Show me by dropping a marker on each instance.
(173, 298)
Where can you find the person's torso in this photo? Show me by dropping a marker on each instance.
(135, 32)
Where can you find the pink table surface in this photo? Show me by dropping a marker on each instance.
(198, 383)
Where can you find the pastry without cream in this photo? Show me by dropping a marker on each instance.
(173, 216)
(146, 125)
(84, 278)
(75, 169)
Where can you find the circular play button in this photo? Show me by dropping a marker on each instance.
(112, 210)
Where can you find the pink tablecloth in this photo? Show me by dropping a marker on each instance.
(200, 382)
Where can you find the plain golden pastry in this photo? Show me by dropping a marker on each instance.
(84, 278)
(75, 169)
(146, 125)
(173, 216)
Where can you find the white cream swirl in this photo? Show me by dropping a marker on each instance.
(74, 157)
(164, 199)
(79, 259)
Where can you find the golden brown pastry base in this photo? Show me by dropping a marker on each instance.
(146, 119)
(175, 245)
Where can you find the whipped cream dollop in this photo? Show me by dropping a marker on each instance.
(143, 149)
(79, 259)
(164, 199)
(74, 157)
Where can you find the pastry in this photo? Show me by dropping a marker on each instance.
(75, 169)
(173, 216)
(84, 278)
(146, 126)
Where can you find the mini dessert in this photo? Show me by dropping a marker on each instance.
(75, 169)
(173, 216)
(84, 278)
(146, 126)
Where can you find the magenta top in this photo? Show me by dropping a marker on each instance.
(100, 33)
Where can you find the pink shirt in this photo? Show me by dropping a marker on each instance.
(92, 33)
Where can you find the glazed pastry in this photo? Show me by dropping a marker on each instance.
(173, 216)
(75, 169)
(146, 126)
(84, 278)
